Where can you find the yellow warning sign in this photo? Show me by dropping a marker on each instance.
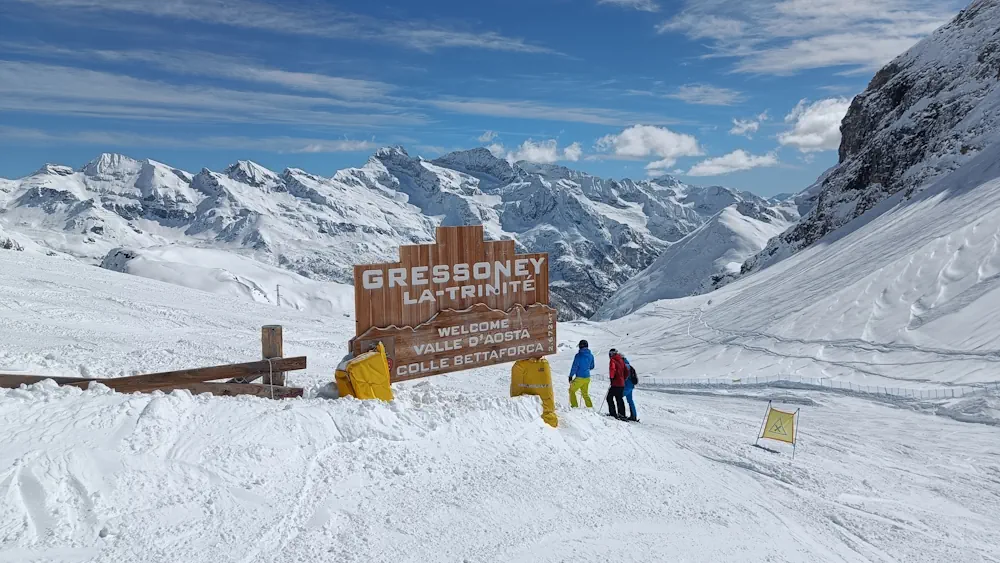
(780, 425)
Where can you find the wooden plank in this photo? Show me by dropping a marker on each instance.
(235, 389)
(271, 346)
(13, 381)
(460, 340)
(457, 271)
(152, 381)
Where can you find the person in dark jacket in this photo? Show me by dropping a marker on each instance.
(629, 388)
(616, 394)
(579, 375)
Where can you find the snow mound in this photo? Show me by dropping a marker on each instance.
(226, 273)
(8, 242)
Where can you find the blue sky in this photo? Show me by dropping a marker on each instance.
(746, 94)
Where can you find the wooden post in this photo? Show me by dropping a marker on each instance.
(271, 347)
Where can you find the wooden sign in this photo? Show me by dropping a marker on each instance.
(459, 340)
(460, 303)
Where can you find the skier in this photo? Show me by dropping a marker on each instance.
(579, 375)
(619, 373)
(629, 387)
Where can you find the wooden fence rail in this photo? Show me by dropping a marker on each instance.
(198, 380)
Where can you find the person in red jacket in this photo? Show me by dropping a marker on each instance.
(616, 394)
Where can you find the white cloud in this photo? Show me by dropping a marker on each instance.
(488, 136)
(816, 126)
(735, 161)
(65, 90)
(130, 139)
(573, 152)
(332, 146)
(644, 141)
(747, 127)
(195, 63)
(294, 19)
(641, 5)
(541, 152)
(521, 109)
(498, 150)
(786, 36)
(706, 95)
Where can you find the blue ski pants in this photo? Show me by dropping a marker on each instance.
(631, 403)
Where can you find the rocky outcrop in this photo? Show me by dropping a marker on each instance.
(922, 116)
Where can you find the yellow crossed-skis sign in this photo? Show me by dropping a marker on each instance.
(780, 425)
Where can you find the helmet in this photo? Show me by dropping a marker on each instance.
(612, 352)
(583, 344)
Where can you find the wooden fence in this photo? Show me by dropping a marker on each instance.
(223, 380)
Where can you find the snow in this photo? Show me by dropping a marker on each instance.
(905, 297)
(923, 115)
(225, 273)
(452, 470)
(687, 267)
(318, 227)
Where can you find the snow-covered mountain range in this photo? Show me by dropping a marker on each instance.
(714, 251)
(599, 232)
(922, 116)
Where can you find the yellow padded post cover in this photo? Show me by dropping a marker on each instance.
(368, 375)
(344, 388)
(534, 377)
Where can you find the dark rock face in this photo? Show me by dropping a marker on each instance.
(922, 116)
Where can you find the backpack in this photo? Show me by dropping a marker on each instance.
(632, 376)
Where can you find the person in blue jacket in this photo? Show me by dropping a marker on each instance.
(579, 375)
(629, 387)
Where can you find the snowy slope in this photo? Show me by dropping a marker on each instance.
(599, 232)
(226, 273)
(903, 297)
(452, 470)
(689, 266)
(932, 109)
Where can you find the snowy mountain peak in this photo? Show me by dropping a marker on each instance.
(551, 171)
(391, 152)
(54, 170)
(112, 166)
(481, 163)
(252, 174)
